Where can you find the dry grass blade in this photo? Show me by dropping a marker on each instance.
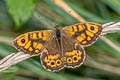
(49, 13)
(6, 40)
(92, 63)
(69, 10)
(110, 43)
(110, 27)
(12, 59)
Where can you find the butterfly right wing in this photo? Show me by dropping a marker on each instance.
(33, 42)
(73, 52)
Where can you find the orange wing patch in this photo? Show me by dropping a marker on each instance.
(32, 42)
(50, 61)
(76, 57)
(84, 33)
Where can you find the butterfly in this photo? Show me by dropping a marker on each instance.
(61, 47)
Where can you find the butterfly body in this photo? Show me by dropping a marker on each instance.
(59, 48)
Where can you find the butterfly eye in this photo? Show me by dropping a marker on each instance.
(92, 28)
(23, 40)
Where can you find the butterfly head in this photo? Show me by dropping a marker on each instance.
(57, 27)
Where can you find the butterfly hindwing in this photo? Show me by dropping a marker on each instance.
(74, 54)
(51, 57)
(32, 42)
(84, 33)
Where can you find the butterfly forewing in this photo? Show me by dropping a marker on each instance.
(84, 33)
(32, 42)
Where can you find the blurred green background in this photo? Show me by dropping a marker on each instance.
(20, 16)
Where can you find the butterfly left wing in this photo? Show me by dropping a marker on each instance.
(84, 33)
(51, 56)
(33, 42)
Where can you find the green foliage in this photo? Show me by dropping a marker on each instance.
(20, 10)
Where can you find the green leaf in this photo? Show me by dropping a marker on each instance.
(20, 10)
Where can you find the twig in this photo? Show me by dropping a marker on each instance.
(47, 12)
(69, 10)
(43, 20)
(117, 48)
(6, 40)
(12, 59)
(110, 27)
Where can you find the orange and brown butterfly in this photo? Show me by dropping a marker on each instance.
(59, 48)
